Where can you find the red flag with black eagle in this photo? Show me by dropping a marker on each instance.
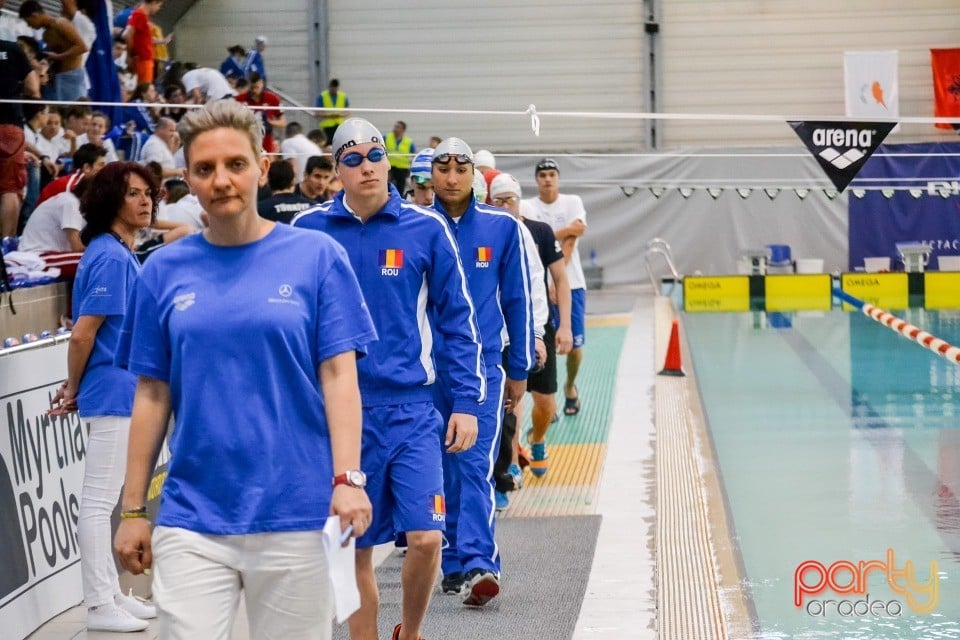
(946, 85)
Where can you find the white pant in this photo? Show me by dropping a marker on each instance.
(106, 464)
(197, 580)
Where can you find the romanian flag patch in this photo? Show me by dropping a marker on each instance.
(439, 505)
(484, 254)
(391, 258)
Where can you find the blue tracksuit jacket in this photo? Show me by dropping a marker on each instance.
(407, 263)
(491, 247)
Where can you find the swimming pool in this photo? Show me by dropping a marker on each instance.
(839, 454)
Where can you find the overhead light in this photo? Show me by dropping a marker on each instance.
(686, 192)
(916, 193)
(714, 192)
(744, 192)
(771, 192)
(657, 191)
(859, 193)
(802, 193)
(831, 193)
(887, 193)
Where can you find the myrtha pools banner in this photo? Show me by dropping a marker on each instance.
(41, 472)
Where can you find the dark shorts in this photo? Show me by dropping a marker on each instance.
(545, 380)
(13, 163)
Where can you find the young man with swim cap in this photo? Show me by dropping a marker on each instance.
(491, 245)
(407, 262)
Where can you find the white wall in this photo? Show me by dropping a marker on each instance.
(771, 57)
(493, 55)
(203, 34)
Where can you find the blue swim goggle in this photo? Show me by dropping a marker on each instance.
(355, 159)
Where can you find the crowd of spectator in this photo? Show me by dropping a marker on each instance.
(65, 142)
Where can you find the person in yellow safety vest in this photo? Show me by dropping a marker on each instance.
(333, 98)
(400, 151)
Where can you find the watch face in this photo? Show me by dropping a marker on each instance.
(357, 478)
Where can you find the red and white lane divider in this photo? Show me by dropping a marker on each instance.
(918, 335)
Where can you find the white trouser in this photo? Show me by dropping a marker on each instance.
(197, 580)
(106, 464)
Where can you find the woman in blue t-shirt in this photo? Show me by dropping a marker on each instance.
(119, 201)
(248, 333)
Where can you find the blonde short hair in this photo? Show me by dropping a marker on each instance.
(219, 114)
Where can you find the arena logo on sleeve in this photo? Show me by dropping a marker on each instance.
(841, 148)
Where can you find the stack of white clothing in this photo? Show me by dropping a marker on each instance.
(23, 267)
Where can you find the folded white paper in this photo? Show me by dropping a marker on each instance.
(342, 569)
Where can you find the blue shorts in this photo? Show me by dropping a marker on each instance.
(401, 453)
(578, 317)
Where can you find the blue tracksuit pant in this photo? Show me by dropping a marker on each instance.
(468, 484)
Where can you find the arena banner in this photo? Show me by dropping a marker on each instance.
(918, 200)
(841, 148)
(41, 472)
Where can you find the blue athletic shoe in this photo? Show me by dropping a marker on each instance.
(539, 459)
(502, 500)
(517, 474)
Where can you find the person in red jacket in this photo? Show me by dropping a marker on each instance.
(139, 39)
(88, 160)
(258, 96)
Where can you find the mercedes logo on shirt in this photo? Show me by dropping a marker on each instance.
(286, 290)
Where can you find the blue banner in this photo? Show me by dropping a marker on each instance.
(924, 205)
(104, 83)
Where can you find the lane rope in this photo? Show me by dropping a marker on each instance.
(913, 333)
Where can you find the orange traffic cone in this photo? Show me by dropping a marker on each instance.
(672, 366)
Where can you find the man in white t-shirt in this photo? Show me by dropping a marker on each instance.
(204, 85)
(181, 206)
(53, 231)
(158, 147)
(296, 148)
(568, 219)
(51, 139)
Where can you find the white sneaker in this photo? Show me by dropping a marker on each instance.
(110, 617)
(137, 607)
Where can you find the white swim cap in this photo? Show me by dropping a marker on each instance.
(452, 148)
(351, 132)
(484, 158)
(505, 183)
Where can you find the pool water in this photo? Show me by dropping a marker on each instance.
(838, 443)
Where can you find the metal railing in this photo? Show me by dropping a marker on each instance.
(660, 247)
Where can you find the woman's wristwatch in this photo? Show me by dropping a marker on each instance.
(352, 478)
